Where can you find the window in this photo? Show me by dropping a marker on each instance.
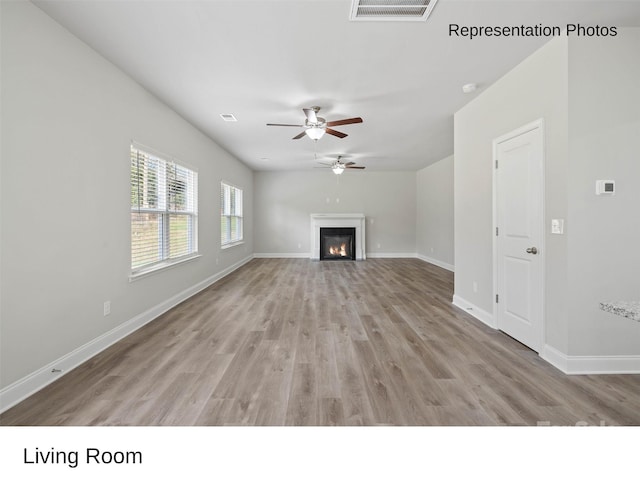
(164, 212)
(230, 215)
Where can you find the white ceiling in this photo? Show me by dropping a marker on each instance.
(263, 61)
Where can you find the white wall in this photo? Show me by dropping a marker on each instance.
(536, 88)
(604, 232)
(584, 89)
(434, 213)
(284, 201)
(68, 117)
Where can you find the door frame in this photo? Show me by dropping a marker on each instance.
(536, 124)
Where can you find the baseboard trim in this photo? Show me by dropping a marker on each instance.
(482, 315)
(591, 364)
(27, 386)
(281, 255)
(390, 255)
(424, 258)
(555, 357)
(437, 263)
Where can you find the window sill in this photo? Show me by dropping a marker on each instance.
(160, 267)
(229, 245)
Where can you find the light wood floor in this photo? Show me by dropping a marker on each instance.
(295, 342)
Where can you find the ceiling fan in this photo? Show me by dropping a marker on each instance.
(338, 166)
(315, 127)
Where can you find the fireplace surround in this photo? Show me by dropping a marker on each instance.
(356, 221)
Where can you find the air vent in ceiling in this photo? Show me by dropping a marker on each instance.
(385, 10)
(228, 117)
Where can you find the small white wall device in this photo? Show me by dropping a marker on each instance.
(557, 226)
(605, 187)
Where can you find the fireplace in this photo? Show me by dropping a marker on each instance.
(353, 221)
(337, 243)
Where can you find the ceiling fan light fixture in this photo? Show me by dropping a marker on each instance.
(338, 169)
(315, 133)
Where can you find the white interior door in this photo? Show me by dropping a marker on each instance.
(518, 189)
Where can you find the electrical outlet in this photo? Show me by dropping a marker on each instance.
(107, 308)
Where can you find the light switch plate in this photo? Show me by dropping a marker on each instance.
(557, 226)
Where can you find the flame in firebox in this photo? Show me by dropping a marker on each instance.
(342, 250)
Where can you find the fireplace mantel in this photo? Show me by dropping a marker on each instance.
(337, 220)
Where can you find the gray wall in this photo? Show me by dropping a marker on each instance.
(434, 213)
(284, 201)
(583, 89)
(604, 232)
(537, 88)
(68, 117)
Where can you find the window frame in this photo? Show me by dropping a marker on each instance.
(167, 174)
(231, 242)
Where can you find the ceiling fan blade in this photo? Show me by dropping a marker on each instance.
(325, 164)
(346, 121)
(283, 125)
(350, 163)
(311, 115)
(300, 135)
(335, 133)
(358, 168)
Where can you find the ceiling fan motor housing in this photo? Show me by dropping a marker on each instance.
(321, 123)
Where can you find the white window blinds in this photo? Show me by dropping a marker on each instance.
(164, 211)
(230, 214)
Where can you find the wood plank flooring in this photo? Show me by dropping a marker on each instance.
(295, 342)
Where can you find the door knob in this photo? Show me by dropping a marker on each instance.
(533, 250)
